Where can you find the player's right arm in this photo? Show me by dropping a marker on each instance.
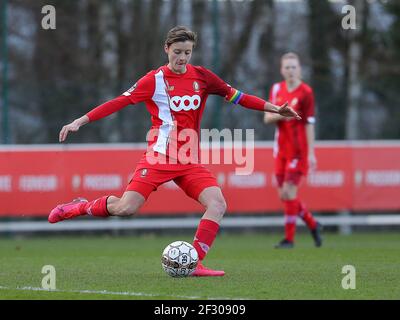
(272, 118)
(141, 91)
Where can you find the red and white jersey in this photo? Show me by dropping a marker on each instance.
(290, 135)
(176, 103)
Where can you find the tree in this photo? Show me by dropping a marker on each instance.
(324, 27)
(353, 62)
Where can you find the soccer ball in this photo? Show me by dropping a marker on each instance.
(179, 259)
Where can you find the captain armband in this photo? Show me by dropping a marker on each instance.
(234, 96)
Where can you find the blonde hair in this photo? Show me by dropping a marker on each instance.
(290, 55)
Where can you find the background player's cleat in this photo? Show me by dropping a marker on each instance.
(316, 234)
(202, 271)
(285, 244)
(66, 211)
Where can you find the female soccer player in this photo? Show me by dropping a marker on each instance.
(175, 96)
(294, 147)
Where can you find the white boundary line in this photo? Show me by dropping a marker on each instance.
(189, 223)
(116, 293)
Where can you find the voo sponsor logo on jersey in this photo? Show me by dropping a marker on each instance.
(185, 103)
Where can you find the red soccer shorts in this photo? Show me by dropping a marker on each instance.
(193, 180)
(290, 170)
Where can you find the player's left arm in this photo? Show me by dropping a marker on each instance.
(216, 85)
(309, 118)
(253, 102)
(310, 133)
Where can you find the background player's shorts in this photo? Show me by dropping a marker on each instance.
(290, 170)
(192, 180)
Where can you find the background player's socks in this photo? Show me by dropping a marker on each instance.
(291, 211)
(205, 235)
(97, 208)
(290, 227)
(307, 217)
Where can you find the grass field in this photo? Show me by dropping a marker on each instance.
(128, 267)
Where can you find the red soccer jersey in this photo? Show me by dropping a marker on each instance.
(290, 135)
(176, 103)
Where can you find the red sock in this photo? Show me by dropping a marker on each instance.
(205, 235)
(97, 208)
(291, 211)
(307, 217)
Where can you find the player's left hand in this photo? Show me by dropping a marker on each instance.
(287, 111)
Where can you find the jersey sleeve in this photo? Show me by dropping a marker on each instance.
(215, 85)
(309, 107)
(245, 100)
(108, 108)
(142, 90)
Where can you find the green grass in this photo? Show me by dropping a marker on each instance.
(254, 270)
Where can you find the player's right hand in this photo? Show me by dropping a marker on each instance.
(73, 126)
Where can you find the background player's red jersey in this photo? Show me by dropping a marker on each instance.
(290, 135)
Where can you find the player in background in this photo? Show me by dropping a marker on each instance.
(175, 96)
(294, 147)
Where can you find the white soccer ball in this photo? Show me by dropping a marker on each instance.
(179, 259)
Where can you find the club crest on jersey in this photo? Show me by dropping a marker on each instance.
(294, 102)
(143, 173)
(196, 86)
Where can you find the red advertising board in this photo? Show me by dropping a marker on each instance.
(350, 176)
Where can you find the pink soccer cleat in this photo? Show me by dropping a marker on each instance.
(66, 211)
(202, 271)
